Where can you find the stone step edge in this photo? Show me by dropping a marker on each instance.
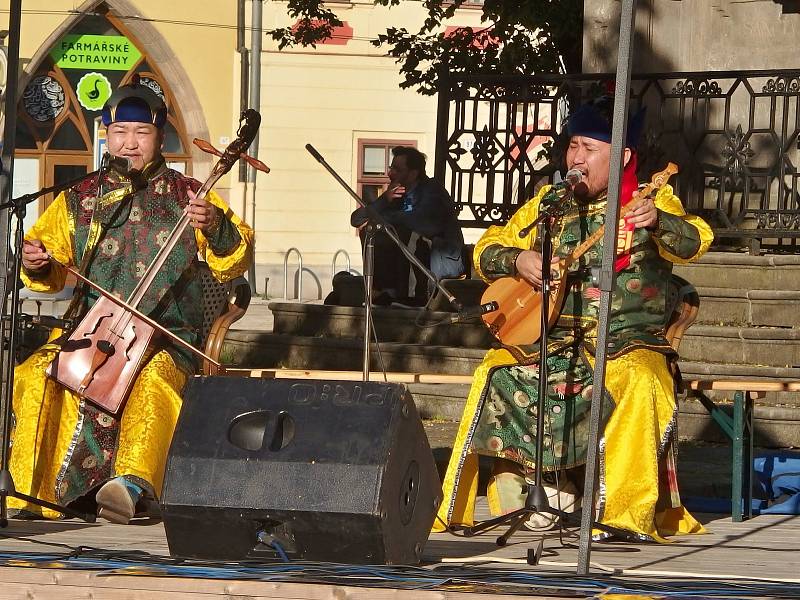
(390, 315)
(692, 369)
(378, 312)
(744, 333)
(709, 370)
(746, 260)
(721, 331)
(250, 336)
(704, 292)
(447, 401)
(742, 294)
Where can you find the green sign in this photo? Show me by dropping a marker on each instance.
(93, 90)
(89, 52)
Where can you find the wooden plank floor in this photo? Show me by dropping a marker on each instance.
(764, 547)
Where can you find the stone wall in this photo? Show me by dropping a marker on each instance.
(695, 35)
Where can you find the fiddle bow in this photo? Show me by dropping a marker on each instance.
(517, 321)
(103, 355)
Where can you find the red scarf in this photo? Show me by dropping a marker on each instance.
(630, 183)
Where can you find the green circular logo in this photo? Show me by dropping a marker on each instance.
(93, 91)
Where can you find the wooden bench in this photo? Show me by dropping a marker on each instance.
(738, 426)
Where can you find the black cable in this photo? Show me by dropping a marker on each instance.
(441, 577)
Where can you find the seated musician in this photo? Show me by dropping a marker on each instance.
(422, 213)
(638, 491)
(110, 226)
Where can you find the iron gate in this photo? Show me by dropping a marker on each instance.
(733, 134)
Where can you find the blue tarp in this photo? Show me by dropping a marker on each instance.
(776, 488)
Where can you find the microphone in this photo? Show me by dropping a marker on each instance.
(122, 164)
(555, 194)
(572, 178)
(475, 311)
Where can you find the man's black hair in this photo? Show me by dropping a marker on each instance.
(415, 160)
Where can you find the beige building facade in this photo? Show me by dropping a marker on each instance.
(343, 97)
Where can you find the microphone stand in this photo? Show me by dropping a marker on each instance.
(377, 223)
(7, 487)
(536, 501)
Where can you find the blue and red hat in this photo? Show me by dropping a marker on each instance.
(135, 103)
(593, 120)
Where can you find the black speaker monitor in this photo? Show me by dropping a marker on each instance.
(319, 470)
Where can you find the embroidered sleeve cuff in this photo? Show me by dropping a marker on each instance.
(222, 235)
(499, 261)
(676, 235)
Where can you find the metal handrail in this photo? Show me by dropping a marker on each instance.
(335, 256)
(286, 274)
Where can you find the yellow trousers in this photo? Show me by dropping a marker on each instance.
(48, 418)
(634, 446)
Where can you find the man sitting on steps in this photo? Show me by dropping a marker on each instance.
(422, 213)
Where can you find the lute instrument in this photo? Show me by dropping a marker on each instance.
(104, 353)
(517, 321)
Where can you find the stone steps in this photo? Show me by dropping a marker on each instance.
(772, 346)
(775, 346)
(748, 328)
(729, 306)
(272, 350)
(742, 271)
(256, 349)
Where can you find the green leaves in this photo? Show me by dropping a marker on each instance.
(315, 24)
(520, 37)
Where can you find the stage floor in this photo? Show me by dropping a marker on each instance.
(765, 547)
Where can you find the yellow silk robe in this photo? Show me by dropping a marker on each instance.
(637, 437)
(50, 417)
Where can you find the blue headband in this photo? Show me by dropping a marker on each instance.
(135, 103)
(592, 120)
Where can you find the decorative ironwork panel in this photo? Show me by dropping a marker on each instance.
(733, 134)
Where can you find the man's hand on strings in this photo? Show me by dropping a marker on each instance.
(644, 213)
(202, 214)
(529, 267)
(34, 255)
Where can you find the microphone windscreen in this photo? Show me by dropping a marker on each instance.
(573, 177)
(122, 164)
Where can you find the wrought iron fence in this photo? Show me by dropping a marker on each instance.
(733, 134)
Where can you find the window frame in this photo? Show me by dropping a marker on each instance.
(382, 181)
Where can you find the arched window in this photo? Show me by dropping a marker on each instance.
(59, 133)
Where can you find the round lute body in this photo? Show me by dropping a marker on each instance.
(517, 321)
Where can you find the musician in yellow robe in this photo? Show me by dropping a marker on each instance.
(638, 493)
(110, 226)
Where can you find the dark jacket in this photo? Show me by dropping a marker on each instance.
(427, 210)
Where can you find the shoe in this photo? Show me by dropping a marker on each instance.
(116, 500)
(382, 299)
(24, 515)
(564, 498)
